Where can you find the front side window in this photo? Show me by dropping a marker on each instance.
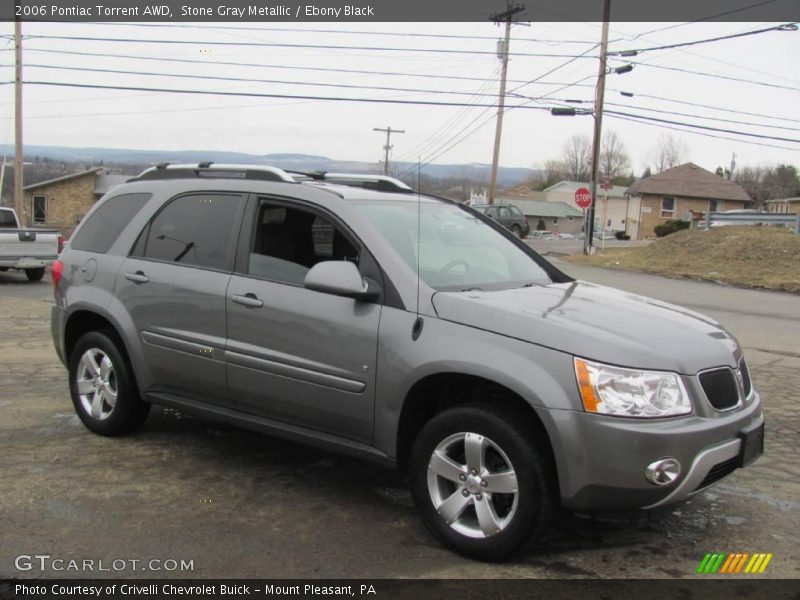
(39, 210)
(102, 229)
(667, 208)
(288, 241)
(198, 230)
(456, 251)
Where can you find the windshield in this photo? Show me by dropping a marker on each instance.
(457, 251)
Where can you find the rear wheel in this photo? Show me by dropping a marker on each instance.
(515, 229)
(102, 386)
(483, 483)
(35, 274)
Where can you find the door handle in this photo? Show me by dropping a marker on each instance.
(137, 277)
(249, 300)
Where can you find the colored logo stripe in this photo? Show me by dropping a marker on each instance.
(735, 562)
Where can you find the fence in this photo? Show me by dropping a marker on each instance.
(753, 218)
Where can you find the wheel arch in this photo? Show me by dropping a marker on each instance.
(437, 392)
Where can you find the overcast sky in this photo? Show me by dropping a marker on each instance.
(344, 130)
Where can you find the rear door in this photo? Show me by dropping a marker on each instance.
(296, 355)
(173, 286)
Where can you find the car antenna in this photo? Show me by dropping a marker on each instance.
(416, 330)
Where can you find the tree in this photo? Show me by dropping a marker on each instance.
(648, 172)
(668, 153)
(576, 158)
(764, 183)
(614, 160)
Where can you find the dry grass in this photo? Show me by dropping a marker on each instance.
(756, 257)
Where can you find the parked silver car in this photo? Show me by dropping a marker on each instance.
(353, 313)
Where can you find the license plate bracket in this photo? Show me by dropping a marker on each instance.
(752, 444)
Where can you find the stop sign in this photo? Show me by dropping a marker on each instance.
(583, 197)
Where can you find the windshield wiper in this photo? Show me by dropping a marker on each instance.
(473, 289)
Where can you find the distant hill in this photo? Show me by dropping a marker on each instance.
(507, 176)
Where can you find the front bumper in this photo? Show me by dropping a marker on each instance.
(602, 463)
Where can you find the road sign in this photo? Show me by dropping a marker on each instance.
(583, 197)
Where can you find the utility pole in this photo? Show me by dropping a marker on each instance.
(18, 156)
(598, 126)
(389, 131)
(508, 17)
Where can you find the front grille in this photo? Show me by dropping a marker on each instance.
(719, 471)
(720, 388)
(746, 383)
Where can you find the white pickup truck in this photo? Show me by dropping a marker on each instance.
(29, 250)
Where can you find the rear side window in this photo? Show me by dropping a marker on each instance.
(199, 230)
(102, 229)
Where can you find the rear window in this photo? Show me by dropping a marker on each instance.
(103, 227)
(7, 219)
(515, 211)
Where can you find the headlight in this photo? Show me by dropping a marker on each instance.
(622, 392)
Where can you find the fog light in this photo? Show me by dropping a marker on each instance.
(663, 472)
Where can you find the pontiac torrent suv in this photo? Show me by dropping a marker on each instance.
(353, 313)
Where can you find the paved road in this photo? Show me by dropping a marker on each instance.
(239, 504)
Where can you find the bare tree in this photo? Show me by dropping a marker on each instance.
(614, 159)
(669, 152)
(576, 158)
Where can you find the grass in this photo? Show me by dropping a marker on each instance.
(744, 256)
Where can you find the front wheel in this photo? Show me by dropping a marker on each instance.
(34, 274)
(482, 481)
(102, 386)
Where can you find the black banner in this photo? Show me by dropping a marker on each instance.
(396, 10)
(742, 588)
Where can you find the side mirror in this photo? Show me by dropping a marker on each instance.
(339, 277)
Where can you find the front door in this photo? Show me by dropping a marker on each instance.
(296, 355)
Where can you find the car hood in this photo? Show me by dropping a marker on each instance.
(597, 322)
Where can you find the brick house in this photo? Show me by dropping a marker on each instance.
(677, 191)
(61, 203)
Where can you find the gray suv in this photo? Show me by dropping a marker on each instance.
(353, 313)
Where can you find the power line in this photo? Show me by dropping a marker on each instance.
(248, 80)
(696, 116)
(340, 31)
(271, 66)
(288, 45)
(719, 108)
(708, 18)
(262, 95)
(681, 114)
(732, 36)
(705, 127)
(713, 75)
(710, 135)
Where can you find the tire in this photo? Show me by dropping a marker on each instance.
(515, 229)
(510, 521)
(106, 399)
(35, 274)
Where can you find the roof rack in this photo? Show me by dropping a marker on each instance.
(211, 169)
(382, 183)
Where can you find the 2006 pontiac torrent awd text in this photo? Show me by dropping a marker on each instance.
(353, 313)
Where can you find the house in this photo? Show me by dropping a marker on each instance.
(784, 205)
(544, 215)
(61, 203)
(681, 191)
(613, 209)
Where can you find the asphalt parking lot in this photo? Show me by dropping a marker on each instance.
(241, 505)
